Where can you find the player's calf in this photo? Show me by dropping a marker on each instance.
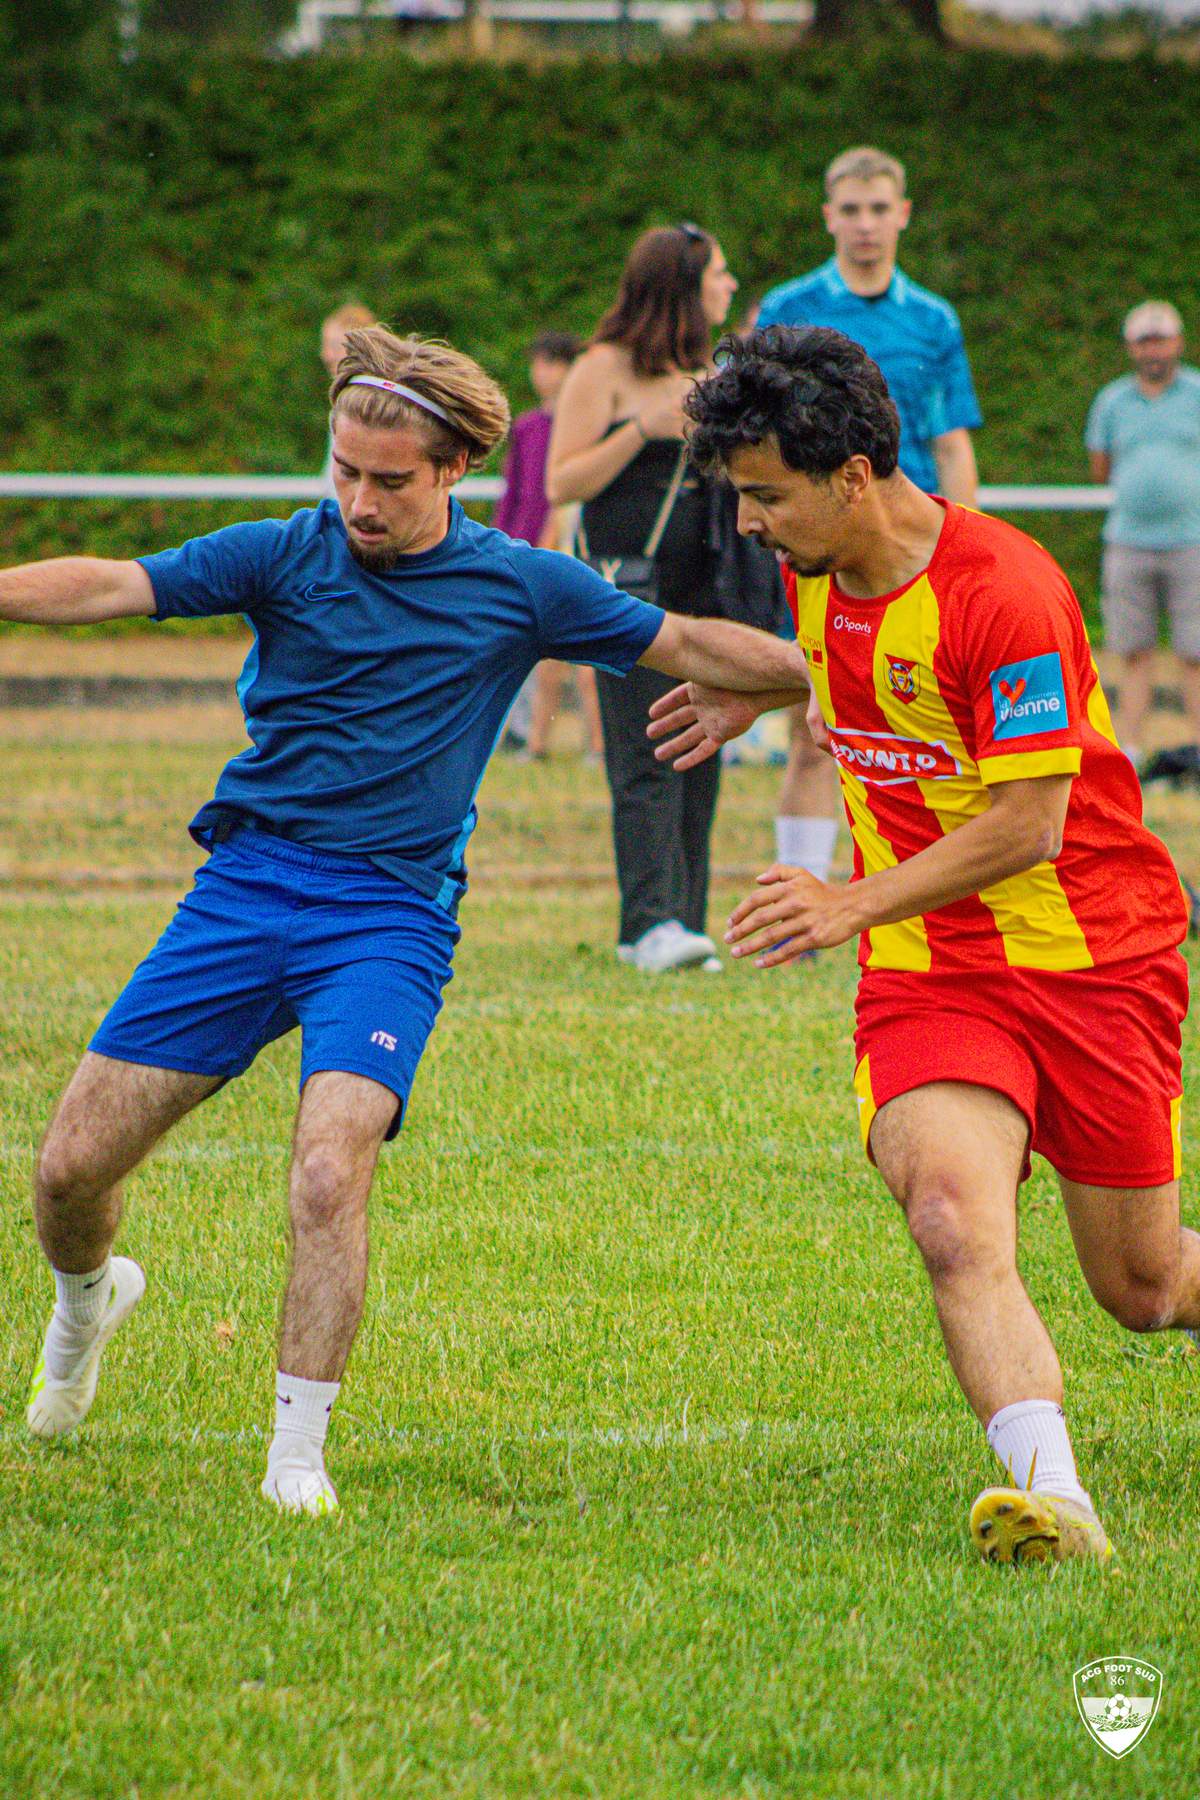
(343, 1120)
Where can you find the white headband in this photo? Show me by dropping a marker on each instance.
(405, 393)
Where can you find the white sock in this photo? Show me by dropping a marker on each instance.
(806, 843)
(302, 1411)
(79, 1307)
(1030, 1439)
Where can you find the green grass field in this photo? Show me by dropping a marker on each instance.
(654, 1479)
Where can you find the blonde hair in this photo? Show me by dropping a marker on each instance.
(477, 413)
(864, 163)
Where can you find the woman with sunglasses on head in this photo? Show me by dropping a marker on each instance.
(617, 447)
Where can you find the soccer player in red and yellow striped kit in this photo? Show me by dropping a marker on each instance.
(1021, 984)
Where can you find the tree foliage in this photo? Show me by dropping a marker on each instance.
(215, 21)
(52, 27)
(843, 18)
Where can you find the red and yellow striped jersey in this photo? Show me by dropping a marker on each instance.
(979, 671)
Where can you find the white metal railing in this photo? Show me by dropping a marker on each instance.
(199, 487)
(475, 487)
(675, 18)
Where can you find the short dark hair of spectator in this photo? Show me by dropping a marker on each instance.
(658, 316)
(556, 346)
(816, 392)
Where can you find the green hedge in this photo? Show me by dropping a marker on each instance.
(173, 231)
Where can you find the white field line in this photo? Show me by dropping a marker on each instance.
(463, 1149)
(661, 1434)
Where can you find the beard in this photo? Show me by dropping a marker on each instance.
(810, 571)
(379, 559)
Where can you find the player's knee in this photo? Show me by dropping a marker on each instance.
(1141, 1305)
(324, 1187)
(62, 1173)
(938, 1221)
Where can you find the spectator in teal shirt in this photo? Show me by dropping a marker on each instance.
(1143, 434)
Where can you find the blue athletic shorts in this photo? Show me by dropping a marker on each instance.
(275, 935)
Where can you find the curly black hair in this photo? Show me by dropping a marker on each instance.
(816, 392)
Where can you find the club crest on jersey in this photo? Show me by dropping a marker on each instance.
(814, 651)
(903, 677)
(1029, 698)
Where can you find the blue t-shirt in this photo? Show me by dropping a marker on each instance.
(1154, 444)
(913, 335)
(373, 702)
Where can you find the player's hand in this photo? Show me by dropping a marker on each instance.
(814, 718)
(790, 912)
(695, 721)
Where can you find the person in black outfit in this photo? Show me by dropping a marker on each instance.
(617, 446)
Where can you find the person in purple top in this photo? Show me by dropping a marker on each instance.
(523, 511)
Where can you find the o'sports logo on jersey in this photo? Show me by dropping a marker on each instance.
(1029, 698)
(903, 677)
(884, 760)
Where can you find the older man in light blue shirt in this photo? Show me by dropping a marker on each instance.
(1143, 434)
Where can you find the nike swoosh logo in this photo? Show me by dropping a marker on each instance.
(284, 1399)
(92, 1284)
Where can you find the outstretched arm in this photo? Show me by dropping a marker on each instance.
(745, 673)
(718, 654)
(75, 590)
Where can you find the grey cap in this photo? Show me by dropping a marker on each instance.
(1153, 318)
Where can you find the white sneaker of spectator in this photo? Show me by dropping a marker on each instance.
(667, 946)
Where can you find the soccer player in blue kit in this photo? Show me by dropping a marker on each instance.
(391, 636)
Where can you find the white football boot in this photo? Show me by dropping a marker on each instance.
(296, 1489)
(56, 1407)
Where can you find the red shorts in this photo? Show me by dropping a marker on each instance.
(1091, 1056)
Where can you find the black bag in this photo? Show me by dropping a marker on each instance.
(638, 575)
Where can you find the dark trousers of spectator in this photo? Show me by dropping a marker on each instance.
(661, 820)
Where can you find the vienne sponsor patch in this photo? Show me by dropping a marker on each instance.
(1029, 698)
(1117, 1697)
(885, 760)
